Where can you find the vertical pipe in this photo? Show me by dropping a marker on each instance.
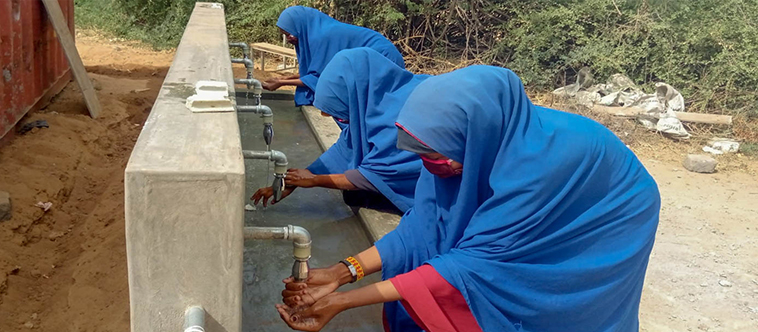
(194, 319)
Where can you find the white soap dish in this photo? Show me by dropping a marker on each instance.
(210, 96)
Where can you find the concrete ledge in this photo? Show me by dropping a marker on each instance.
(376, 223)
(184, 193)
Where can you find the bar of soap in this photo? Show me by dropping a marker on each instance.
(210, 96)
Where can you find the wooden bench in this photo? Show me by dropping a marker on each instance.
(284, 52)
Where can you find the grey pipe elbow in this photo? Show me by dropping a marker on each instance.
(247, 62)
(256, 85)
(301, 241)
(279, 158)
(265, 111)
(299, 235)
(244, 46)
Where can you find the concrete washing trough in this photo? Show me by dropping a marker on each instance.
(186, 185)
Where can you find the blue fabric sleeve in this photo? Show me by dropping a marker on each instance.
(333, 161)
(310, 81)
(359, 181)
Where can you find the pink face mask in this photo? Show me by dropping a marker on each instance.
(440, 167)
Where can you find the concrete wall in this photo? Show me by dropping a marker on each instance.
(184, 194)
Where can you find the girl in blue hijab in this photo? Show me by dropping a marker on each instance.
(317, 38)
(364, 90)
(525, 219)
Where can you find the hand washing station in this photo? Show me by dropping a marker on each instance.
(186, 185)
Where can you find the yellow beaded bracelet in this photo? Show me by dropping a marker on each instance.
(358, 267)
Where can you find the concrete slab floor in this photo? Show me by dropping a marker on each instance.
(336, 231)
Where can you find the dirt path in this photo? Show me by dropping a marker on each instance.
(65, 269)
(708, 234)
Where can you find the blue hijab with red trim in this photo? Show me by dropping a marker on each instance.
(551, 224)
(320, 37)
(368, 90)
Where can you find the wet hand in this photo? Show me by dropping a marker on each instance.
(300, 177)
(271, 84)
(320, 283)
(312, 318)
(264, 194)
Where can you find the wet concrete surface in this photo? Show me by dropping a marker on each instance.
(336, 231)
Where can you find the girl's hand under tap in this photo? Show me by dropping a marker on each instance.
(264, 194)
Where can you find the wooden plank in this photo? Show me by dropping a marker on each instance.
(704, 118)
(683, 116)
(270, 48)
(60, 25)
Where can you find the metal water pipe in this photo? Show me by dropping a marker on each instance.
(268, 119)
(248, 65)
(245, 48)
(256, 86)
(280, 167)
(246, 59)
(194, 319)
(301, 243)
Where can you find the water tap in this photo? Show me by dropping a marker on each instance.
(301, 245)
(278, 186)
(268, 133)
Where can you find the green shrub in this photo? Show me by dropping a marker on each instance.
(708, 49)
(161, 23)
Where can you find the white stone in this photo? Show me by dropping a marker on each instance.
(700, 163)
(725, 283)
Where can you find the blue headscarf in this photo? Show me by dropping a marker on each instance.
(320, 37)
(551, 224)
(365, 88)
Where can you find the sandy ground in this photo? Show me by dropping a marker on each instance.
(65, 269)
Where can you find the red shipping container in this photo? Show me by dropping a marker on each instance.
(34, 67)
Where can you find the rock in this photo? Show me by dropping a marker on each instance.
(96, 84)
(704, 285)
(699, 163)
(725, 283)
(249, 207)
(31, 125)
(29, 325)
(54, 235)
(5, 206)
(44, 206)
